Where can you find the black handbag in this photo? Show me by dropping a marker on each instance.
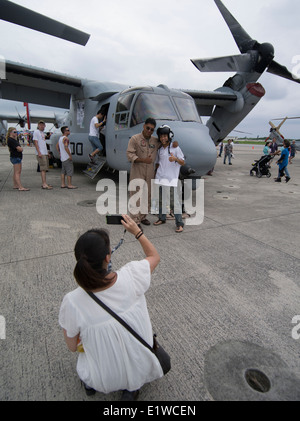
(162, 356)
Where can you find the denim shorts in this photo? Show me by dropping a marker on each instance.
(16, 161)
(95, 141)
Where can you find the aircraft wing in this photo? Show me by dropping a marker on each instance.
(13, 118)
(38, 86)
(206, 100)
(35, 116)
(9, 117)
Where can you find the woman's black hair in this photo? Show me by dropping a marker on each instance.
(90, 252)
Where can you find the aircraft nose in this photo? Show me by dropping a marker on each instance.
(198, 148)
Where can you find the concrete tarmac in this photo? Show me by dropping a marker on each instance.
(222, 301)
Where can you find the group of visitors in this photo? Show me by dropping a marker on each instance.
(287, 153)
(42, 155)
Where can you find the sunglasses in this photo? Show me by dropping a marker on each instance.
(149, 129)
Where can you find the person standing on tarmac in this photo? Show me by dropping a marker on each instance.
(168, 162)
(16, 157)
(42, 154)
(63, 147)
(141, 152)
(283, 163)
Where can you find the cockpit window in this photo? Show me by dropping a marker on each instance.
(158, 107)
(187, 109)
(122, 111)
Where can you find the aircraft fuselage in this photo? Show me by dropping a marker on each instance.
(127, 112)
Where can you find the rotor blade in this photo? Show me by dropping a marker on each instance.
(288, 118)
(279, 70)
(242, 39)
(239, 63)
(22, 16)
(238, 131)
(18, 113)
(282, 123)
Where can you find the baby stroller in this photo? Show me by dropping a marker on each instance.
(262, 166)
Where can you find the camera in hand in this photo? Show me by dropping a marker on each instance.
(114, 219)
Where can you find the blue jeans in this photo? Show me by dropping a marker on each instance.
(164, 198)
(283, 171)
(95, 141)
(287, 172)
(229, 158)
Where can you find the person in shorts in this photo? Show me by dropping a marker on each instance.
(39, 141)
(97, 124)
(16, 157)
(67, 169)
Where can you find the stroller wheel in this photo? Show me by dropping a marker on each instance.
(269, 175)
(259, 174)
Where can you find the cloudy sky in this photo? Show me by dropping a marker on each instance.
(137, 42)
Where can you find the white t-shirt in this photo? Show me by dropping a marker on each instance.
(93, 130)
(63, 153)
(113, 359)
(168, 172)
(40, 138)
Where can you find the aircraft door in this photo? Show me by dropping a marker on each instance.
(122, 131)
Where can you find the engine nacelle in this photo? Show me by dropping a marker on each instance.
(225, 119)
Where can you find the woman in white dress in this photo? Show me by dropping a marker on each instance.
(112, 359)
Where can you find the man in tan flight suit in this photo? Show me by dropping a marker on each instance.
(141, 152)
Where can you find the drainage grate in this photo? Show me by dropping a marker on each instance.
(87, 203)
(258, 381)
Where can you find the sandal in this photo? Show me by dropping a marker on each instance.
(159, 222)
(179, 229)
(171, 216)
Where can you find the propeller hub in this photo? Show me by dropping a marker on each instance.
(22, 123)
(267, 50)
(266, 55)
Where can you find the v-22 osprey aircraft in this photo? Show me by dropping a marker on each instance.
(275, 130)
(127, 107)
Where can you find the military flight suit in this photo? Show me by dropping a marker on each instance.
(139, 147)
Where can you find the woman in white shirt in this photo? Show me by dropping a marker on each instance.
(112, 359)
